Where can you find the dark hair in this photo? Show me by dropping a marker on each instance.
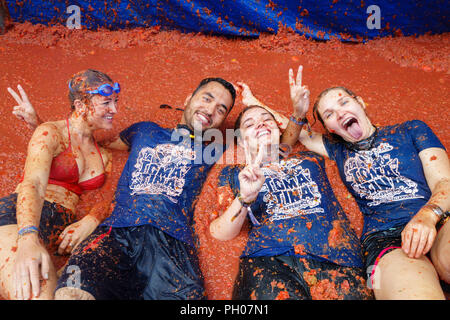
(237, 123)
(223, 82)
(85, 80)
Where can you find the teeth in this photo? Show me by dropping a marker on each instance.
(347, 121)
(205, 119)
(263, 133)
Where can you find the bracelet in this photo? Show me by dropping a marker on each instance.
(436, 209)
(243, 203)
(301, 122)
(28, 229)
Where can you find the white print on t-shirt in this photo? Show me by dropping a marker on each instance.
(374, 176)
(162, 170)
(290, 191)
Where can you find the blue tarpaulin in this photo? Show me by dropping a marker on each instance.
(351, 20)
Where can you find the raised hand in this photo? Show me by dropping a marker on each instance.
(246, 95)
(24, 110)
(251, 178)
(299, 94)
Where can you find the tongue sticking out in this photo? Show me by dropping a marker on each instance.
(354, 130)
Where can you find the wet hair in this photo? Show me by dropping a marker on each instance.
(237, 123)
(223, 82)
(85, 80)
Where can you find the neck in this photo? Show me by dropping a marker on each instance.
(79, 127)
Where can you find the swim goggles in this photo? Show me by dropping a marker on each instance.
(105, 89)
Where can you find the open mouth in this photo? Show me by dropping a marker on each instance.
(351, 125)
(263, 133)
(109, 117)
(204, 119)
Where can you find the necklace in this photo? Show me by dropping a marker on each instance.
(365, 144)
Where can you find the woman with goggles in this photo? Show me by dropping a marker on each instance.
(63, 161)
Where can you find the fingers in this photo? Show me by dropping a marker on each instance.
(430, 241)
(64, 243)
(45, 266)
(248, 156)
(417, 242)
(291, 78)
(299, 75)
(23, 94)
(22, 283)
(15, 95)
(34, 279)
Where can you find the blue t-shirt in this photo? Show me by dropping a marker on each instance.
(161, 179)
(297, 213)
(387, 181)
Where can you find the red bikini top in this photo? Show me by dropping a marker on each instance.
(64, 171)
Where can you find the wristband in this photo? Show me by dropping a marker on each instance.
(436, 209)
(301, 122)
(243, 203)
(28, 229)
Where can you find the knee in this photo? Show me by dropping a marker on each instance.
(69, 293)
(442, 264)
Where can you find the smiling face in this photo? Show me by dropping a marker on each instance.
(345, 115)
(259, 127)
(102, 110)
(208, 107)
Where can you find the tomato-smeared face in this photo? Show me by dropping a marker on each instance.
(259, 128)
(102, 111)
(345, 115)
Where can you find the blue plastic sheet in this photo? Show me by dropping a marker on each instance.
(351, 20)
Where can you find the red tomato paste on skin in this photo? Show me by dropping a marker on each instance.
(400, 79)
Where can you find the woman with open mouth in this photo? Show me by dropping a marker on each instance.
(399, 176)
(63, 161)
(300, 245)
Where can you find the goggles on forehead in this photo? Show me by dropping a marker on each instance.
(104, 90)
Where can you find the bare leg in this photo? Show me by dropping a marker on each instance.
(68, 293)
(440, 253)
(398, 277)
(8, 245)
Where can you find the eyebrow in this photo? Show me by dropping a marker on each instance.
(263, 114)
(212, 97)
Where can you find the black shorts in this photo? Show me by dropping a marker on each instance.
(134, 263)
(294, 278)
(377, 244)
(54, 219)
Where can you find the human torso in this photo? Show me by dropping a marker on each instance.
(296, 213)
(160, 181)
(76, 167)
(387, 180)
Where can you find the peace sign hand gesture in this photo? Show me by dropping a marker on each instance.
(251, 178)
(24, 110)
(299, 94)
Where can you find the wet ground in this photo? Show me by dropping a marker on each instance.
(400, 79)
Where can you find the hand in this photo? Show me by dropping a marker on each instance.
(419, 234)
(299, 94)
(24, 110)
(75, 233)
(251, 178)
(31, 255)
(247, 96)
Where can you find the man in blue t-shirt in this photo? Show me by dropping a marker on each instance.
(146, 249)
